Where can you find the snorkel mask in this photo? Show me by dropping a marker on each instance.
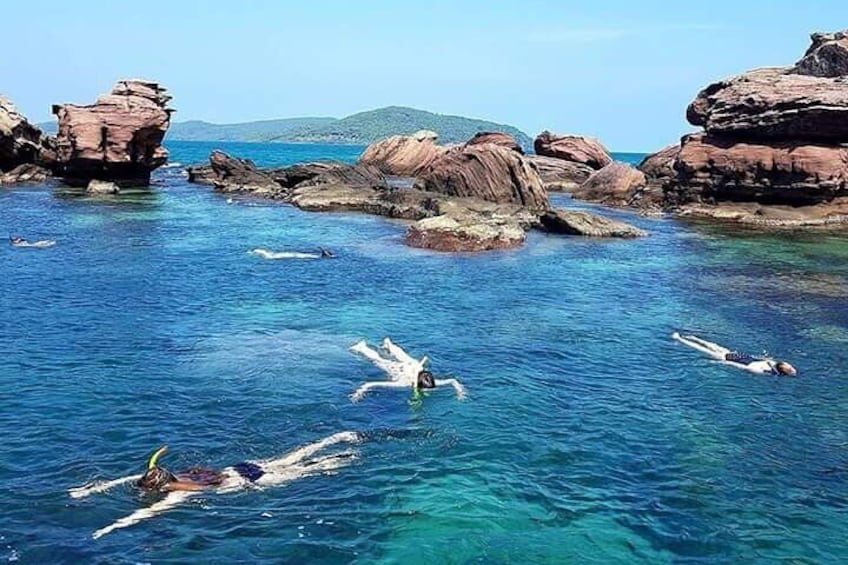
(155, 478)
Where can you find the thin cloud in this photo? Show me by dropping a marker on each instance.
(595, 35)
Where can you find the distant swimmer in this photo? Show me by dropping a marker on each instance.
(403, 371)
(273, 255)
(759, 365)
(16, 241)
(182, 486)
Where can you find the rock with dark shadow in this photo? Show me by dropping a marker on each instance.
(496, 138)
(575, 148)
(571, 222)
(617, 184)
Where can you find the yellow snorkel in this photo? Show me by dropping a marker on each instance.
(151, 463)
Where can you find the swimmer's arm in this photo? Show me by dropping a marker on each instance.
(360, 392)
(460, 390)
(185, 486)
(172, 500)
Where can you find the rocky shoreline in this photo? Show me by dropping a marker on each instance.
(773, 154)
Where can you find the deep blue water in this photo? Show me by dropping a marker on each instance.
(588, 435)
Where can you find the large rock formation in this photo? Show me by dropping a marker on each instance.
(487, 172)
(572, 148)
(777, 104)
(617, 184)
(774, 152)
(230, 174)
(118, 138)
(403, 155)
(558, 174)
(496, 138)
(20, 141)
(659, 167)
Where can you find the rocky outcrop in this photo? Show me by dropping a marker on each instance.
(328, 173)
(403, 155)
(571, 222)
(560, 175)
(487, 172)
(496, 138)
(101, 187)
(617, 184)
(117, 139)
(714, 168)
(229, 174)
(775, 104)
(826, 57)
(20, 142)
(659, 167)
(775, 148)
(573, 148)
(25, 174)
(465, 234)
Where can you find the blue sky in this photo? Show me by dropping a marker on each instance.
(621, 71)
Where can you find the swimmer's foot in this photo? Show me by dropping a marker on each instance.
(675, 335)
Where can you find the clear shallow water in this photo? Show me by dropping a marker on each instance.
(588, 435)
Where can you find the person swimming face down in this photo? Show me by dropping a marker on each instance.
(785, 369)
(156, 478)
(425, 380)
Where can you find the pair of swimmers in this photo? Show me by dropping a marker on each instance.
(403, 371)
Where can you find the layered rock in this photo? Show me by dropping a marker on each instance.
(774, 104)
(560, 175)
(774, 150)
(118, 138)
(659, 167)
(403, 155)
(573, 148)
(496, 138)
(20, 142)
(826, 57)
(572, 222)
(617, 184)
(230, 174)
(25, 174)
(472, 234)
(487, 172)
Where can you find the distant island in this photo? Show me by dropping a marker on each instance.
(358, 129)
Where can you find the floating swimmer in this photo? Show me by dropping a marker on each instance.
(403, 371)
(182, 486)
(759, 365)
(16, 241)
(266, 254)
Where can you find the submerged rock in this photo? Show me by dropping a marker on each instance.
(118, 138)
(573, 148)
(617, 184)
(488, 172)
(570, 222)
(496, 138)
(558, 174)
(468, 234)
(403, 155)
(25, 174)
(96, 186)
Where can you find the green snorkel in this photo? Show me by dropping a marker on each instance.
(151, 463)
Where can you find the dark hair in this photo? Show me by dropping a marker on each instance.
(426, 380)
(155, 479)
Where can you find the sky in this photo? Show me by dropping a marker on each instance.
(619, 71)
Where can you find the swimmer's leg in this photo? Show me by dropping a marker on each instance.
(302, 453)
(397, 352)
(713, 350)
(278, 475)
(393, 368)
(170, 501)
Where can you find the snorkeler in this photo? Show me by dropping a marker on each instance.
(181, 486)
(759, 365)
(403, 371)
(274, 255)
(17, 241)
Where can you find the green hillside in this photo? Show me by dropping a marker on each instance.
(367, 127)
(265, 130)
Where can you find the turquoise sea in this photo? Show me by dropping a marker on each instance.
(588, 435)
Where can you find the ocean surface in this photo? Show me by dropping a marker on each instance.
(588, 435)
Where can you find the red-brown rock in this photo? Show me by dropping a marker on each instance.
(714, 168)
(20, 141)
(560, 175)
(659, 167)
(118, 138)
(617, 184)
(573, 148)
(488, 172)
(826, 57)
(403, 155)
(496, 138)
(774, 104)
(467, 234)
